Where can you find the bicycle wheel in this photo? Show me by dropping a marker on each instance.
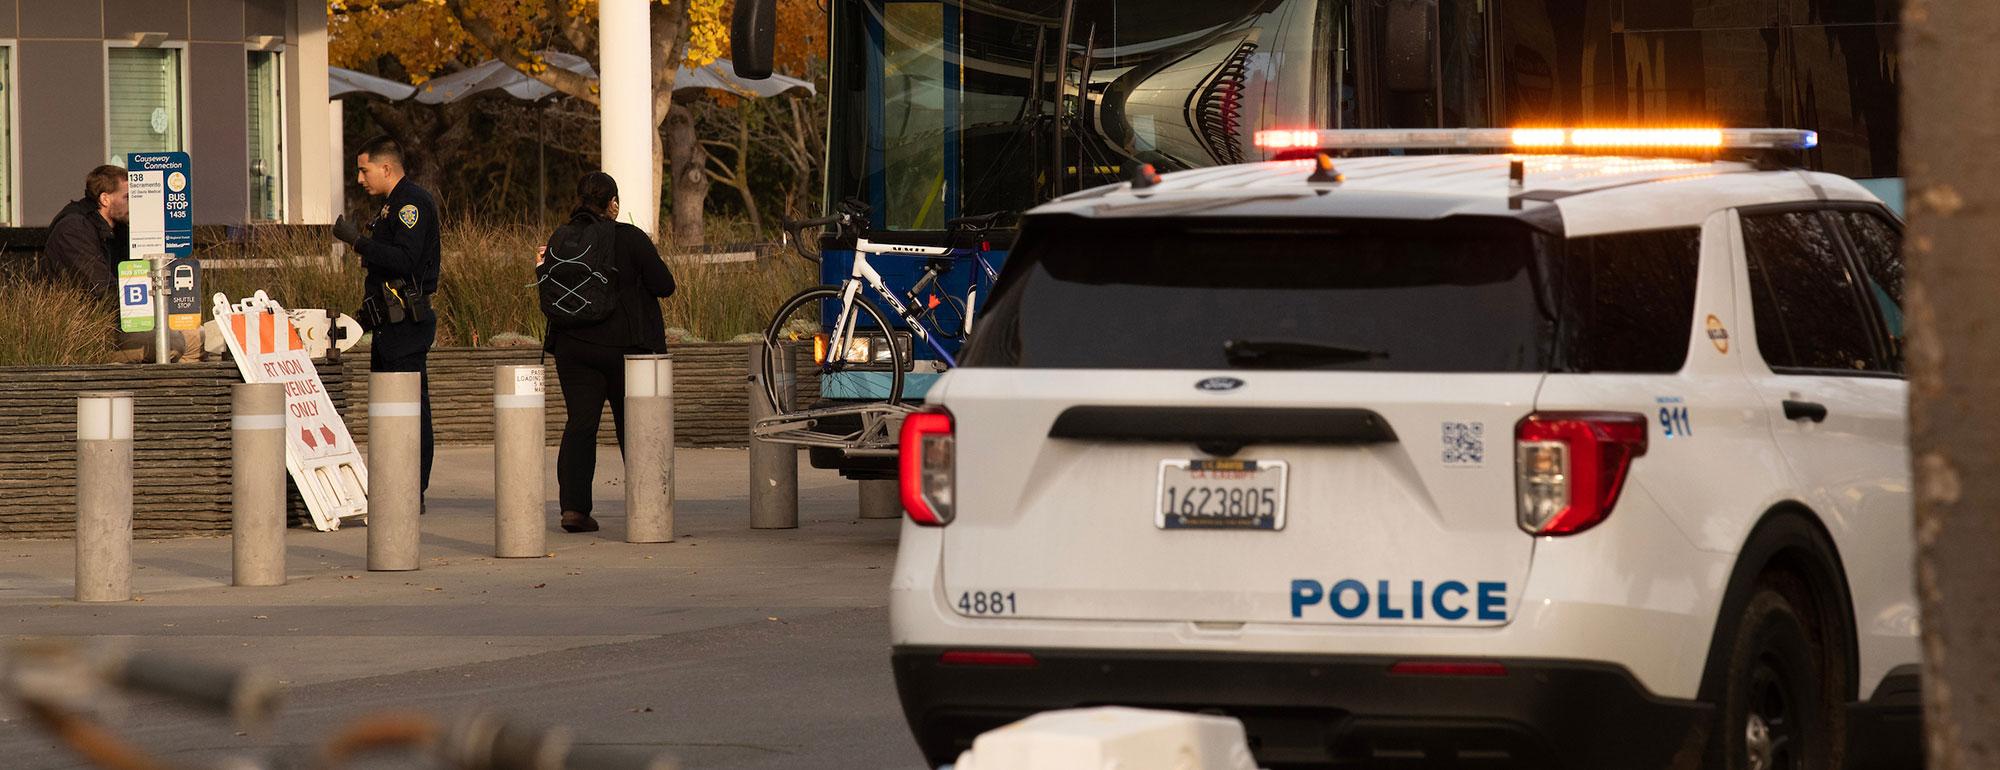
(802, 317)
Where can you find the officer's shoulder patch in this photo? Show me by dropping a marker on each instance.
(408, 215)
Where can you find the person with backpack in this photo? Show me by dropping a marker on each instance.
(599, 282)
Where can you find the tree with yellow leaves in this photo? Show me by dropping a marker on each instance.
(431, 36)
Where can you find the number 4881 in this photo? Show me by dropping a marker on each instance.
(986, 603)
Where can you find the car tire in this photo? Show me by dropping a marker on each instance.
(1777, 711)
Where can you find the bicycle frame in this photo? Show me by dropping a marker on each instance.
(865, 273)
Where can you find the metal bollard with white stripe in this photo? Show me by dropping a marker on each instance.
(519, 434)
(395, 469)
(257, 484)
(881, 499)
(649, 449)
(104, 497)
(774, 467)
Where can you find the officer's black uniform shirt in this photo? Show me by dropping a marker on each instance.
(403, 241)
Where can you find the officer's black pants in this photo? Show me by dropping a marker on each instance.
(406, 347)
(590, 375)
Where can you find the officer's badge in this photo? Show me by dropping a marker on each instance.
(408, 215)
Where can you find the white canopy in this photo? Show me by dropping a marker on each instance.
(341, 82)
(496, 75)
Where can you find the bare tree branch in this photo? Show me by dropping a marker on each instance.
(579, 34)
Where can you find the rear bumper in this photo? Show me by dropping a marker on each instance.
(1315, 711)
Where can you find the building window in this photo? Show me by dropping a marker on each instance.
(145, 101)
(267, 160)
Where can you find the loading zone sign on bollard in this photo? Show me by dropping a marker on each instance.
(320, 454)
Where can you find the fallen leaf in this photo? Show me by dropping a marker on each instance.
(260, 617)
(433, 588)
(539, 585)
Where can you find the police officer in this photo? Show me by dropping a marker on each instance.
(401, 253)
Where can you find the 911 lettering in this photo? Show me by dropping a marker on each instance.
(1351, 599)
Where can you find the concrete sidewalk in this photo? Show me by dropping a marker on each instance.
(533, 636)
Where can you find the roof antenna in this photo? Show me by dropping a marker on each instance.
(1324, 172)
(1144, 176)
(1517, 173)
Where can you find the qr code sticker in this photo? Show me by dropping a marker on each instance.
(1464, 443)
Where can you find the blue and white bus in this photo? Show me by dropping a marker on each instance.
(962, 107)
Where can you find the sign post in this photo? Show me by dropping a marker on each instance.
(162, 227)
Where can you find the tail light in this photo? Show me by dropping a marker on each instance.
(1570, 467)
(925, 457)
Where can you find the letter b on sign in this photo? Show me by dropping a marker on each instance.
(135, 294)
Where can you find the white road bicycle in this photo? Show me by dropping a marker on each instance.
(845, 328)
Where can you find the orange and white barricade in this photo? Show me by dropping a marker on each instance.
(320, 454)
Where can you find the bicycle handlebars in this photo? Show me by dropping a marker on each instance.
(489, 742)
(249, 694)
(794, 229)
(852, 218)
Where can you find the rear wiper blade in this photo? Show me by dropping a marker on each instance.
(1272, 352)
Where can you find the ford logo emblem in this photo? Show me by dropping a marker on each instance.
(1218, 384)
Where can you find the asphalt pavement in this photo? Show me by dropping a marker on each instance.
(729, 648)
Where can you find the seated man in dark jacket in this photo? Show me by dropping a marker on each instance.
(590, 360)
(87, 238)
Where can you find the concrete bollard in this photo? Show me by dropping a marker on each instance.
(649, 449)
(774, 468)
(257, 483)
(395, 469)
(104, 497)
(519, 528)
(881, 499)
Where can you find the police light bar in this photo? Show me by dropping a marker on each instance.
(1639, 140)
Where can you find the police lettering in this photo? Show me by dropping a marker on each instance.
(1485, 601)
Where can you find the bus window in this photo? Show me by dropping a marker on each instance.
(1846, 91)
(1431, 63)
(913, 116)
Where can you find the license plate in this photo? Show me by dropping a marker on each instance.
(1221, 494)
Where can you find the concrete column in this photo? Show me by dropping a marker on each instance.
(395, 469)
(649, 449)
(257, 483)
(312, 197)
(625, 89)
(519, 530)
(104, 497)
(774, 468)
(881, 499)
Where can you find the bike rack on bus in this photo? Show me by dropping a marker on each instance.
(877, 437)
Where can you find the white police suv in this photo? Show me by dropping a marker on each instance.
(1541, 458)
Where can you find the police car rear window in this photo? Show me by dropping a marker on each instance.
(1455, 296)
(1629, 300)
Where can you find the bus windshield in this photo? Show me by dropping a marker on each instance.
(956, 107)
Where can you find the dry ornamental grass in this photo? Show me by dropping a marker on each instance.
(486, 295)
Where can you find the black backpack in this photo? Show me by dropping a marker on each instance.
(578, 276)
